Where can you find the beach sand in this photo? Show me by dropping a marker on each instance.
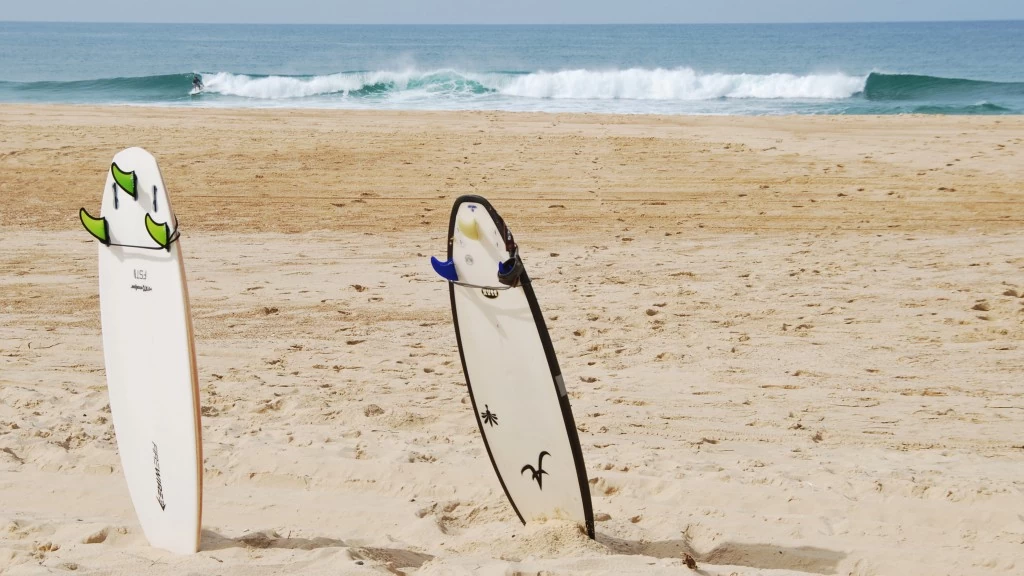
(792, 345)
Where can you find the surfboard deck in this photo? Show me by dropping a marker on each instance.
(514, 381)
(149, 353)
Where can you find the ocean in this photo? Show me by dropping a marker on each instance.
(755, 69)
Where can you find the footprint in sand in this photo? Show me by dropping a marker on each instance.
(97, 537)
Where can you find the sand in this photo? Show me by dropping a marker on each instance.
(793, 345)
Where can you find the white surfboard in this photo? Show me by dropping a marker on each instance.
(511, 370)
(149, 352)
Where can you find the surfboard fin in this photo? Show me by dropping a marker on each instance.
(469, 228)
(445, 269)
(128, 181)
(160, 233)
(510, 270)
(96, 226)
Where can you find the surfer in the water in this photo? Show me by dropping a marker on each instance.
(197, 82)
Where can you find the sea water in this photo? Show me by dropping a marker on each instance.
(932, 68)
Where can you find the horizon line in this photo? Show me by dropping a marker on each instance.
(772, 23)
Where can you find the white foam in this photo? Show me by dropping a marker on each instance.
(281, 87)
(679, 84)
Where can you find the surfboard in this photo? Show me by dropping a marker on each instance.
(515, 385)
(148, 349)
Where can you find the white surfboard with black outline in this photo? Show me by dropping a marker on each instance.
(149, 352)
(511, 370)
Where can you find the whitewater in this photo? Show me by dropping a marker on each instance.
(631, 84)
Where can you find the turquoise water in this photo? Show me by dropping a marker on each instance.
(936, 68)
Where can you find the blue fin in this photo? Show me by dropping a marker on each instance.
(510, 270)
(445, 269)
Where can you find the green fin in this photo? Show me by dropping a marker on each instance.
(95, 226)
(160, 233)
(126, 180)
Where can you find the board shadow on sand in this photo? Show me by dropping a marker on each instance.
(265, 539)
(268, 539)
(760, 556)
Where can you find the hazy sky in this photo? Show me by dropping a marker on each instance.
(508, 11)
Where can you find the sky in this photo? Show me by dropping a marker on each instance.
(508, 11)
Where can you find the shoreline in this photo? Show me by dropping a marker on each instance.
(429, 111)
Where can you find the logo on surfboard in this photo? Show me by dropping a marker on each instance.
(159, 483)
(489, 417)
(538, 472)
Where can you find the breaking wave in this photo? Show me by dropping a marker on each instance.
(630, 84)
(632, 89)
